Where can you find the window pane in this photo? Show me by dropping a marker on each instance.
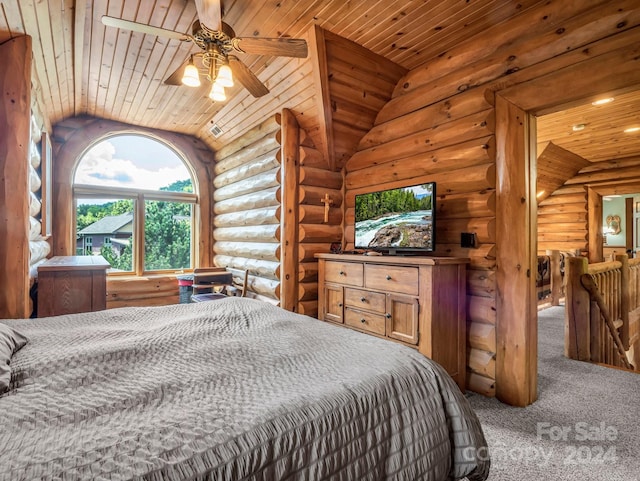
(137, 167)
(167, 234)
(132, 161)
(106, 228)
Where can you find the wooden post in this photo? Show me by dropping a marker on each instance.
(577, 329)
(625, 297)
(628, 219)
(556, 277)
(289, 174)
(15, 140)
(516, 304)
(594, 221)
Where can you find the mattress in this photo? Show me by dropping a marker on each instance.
(234, 389)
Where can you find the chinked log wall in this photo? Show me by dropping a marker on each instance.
(440, 126)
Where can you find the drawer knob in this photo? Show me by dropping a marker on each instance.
(363, 299)
(388, 316)
(342, 273)
(340, 305)
(388, 277)
(363, 320)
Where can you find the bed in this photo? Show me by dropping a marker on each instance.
(228, 390)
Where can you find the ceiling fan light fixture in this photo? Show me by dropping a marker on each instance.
(191, 77)
(217, 93)
(225, 77)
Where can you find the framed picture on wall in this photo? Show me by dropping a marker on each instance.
(46, 189)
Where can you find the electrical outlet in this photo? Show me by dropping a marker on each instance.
(468, 239)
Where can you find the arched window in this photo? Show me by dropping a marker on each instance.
(134, 201)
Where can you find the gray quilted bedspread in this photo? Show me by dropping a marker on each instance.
(228, 390)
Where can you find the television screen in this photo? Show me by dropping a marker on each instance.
(396, 219)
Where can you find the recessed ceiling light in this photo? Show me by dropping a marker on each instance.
(602, 101)
(631, 130)
(578, 127)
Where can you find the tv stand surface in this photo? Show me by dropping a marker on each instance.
(397, 258)
(416, 300)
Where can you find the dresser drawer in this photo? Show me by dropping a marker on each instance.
(361, 299)
(366, 321)
(400, 279)
(347, 273)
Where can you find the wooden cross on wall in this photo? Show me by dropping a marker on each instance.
(327, 201)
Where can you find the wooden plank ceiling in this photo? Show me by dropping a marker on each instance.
(595, 132)
(83, 67)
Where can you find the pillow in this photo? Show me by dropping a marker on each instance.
(11, 341)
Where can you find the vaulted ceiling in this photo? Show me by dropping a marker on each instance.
(83, 67)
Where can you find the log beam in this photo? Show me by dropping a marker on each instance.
(318, 54)
(516, 355)
(15, 135)
(289, 180)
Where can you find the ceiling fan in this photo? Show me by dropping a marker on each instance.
(217, 42)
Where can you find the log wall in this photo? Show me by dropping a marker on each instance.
(563, 218)
(314, 233)
(440, 125)
(276, 241)
(246, 206)
(39, 168)
(451, 142)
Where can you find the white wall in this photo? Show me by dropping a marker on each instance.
(614, 206)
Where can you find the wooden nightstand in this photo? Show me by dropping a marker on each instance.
(70, 284)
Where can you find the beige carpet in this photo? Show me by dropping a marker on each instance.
(584, 426)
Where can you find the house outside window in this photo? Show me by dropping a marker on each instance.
(134, 197)
(88, 245)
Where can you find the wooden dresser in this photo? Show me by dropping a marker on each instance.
(418, 301)
(70, 284)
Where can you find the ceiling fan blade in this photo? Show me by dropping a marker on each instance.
(280, 47)
(143, 28)
(210, 14)
(247, 78)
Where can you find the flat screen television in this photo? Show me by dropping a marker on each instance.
(398, 220)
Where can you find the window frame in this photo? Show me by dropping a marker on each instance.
(84, 191)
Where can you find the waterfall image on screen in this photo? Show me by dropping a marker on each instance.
(396, 219)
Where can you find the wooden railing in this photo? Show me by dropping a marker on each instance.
(602, 311)
(551, 285)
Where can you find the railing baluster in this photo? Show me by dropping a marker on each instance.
(590, 285)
